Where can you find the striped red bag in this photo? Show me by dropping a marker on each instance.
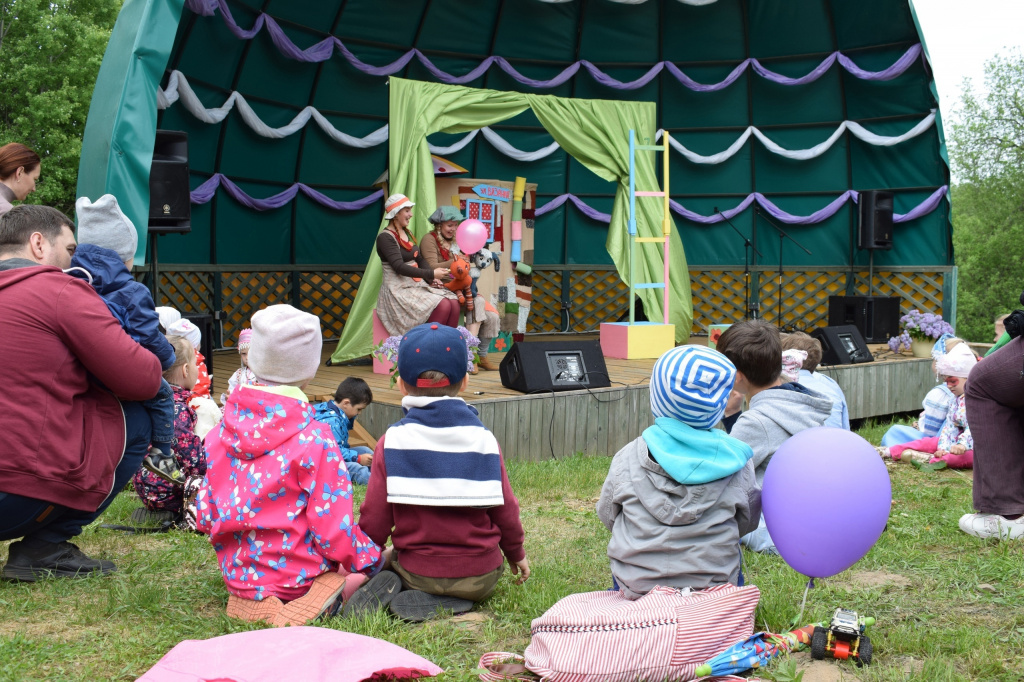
(664, 635)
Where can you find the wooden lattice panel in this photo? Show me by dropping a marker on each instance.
(804, 297)
(921, 290)
(329, 296)
(546, 307)
(188, 292)
(243, 293)
(718, 297)
(597, 296)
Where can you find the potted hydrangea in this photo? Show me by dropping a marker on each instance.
(387, 352)
(918, 333)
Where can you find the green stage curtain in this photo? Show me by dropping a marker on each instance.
(594, 132)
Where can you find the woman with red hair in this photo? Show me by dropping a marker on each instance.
(19, 170)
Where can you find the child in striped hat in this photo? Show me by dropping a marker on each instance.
(678, 498)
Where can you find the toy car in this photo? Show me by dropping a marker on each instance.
(843, 639)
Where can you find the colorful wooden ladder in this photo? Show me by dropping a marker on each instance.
(643, 339)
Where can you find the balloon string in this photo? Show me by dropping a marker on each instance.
(810, 584)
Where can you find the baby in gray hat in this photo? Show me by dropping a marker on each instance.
(107, 241)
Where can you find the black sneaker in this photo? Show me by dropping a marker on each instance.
(32, 560)
(416, 606)
(376, 594)
(148, 517)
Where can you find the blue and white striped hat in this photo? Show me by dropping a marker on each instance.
(692, 384)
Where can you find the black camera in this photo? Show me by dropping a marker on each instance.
(1014, 323)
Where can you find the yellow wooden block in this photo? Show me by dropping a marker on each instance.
(636, 341)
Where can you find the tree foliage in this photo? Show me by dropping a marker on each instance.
(987, 156)
(50, 54)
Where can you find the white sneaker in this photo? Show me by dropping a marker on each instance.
(883, 451)
(992, 526)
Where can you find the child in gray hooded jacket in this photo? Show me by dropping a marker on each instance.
(678, 498)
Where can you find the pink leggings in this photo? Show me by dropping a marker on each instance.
(446, 313)
(964, 461)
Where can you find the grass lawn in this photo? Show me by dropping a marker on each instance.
(948, 605)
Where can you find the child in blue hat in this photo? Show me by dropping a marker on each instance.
(439, 488)
(678, 498)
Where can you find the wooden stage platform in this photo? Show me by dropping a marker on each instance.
(601, 421)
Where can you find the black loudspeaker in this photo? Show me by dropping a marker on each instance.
(842, 345)
(205, 324)
(170, 210)
(554, 366)
(877, 317)
(875, 228)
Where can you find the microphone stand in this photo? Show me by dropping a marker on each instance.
(783, 235)
(748, 312)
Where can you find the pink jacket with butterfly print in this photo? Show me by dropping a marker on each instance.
(277, 499)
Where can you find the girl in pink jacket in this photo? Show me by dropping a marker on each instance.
(277, 499)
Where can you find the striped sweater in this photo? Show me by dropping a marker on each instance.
(452, 540)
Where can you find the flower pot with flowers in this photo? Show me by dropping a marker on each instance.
(387, 351)
(918, 333)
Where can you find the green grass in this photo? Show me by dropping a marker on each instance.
(948, 605)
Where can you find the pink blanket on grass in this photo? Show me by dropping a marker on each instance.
(310, 654)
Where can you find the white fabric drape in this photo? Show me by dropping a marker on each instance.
(178, 89)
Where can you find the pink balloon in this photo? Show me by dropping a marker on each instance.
(471, 236)
(826, 500)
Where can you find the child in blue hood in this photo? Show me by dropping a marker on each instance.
(104, 257)
(678, 498)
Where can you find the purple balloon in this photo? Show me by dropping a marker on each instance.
(826, 500)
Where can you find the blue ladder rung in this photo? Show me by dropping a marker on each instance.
(655, 285)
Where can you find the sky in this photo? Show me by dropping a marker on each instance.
(961, 36)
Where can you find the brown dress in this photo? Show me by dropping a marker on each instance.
(406, 298)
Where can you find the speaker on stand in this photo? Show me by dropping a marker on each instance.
(170, 206)
(534, 366)
(874, 227)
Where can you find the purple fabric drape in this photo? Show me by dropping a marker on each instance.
(924, 208)
(324, 49)
(204, 192)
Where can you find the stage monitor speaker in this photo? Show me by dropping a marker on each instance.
(842, 345)
(877, 317)
(170, 208)
(534, 366)
(875, 228)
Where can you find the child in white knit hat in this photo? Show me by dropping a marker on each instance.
(277, 499)
(208, 413)
(107, 241)
(954, 446)
(243, 376)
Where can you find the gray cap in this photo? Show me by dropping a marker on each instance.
(103, 224)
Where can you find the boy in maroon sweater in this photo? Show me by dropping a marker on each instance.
(439, 487)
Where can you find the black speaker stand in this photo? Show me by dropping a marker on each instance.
(749, 311)
(783, 236)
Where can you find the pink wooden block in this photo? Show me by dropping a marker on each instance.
(379, 334)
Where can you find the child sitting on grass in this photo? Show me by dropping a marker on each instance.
(277, 499)
(351, 397)
(954, 445)
(815, 380)
(243, 376)
(162, 494)
(678, 498)
(935, 404)
(208, 413)
(778, 409)
(439, 488)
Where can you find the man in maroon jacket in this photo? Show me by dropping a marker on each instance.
(67, 445)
